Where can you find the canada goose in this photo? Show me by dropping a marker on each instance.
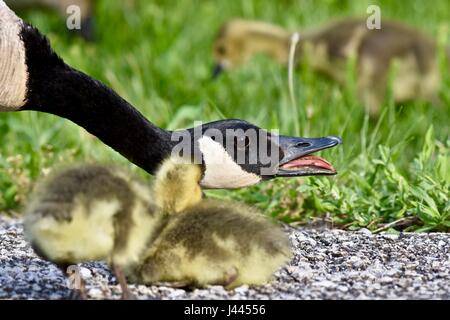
(86, 8)
(164, 233)
(34, 78)
(207, 241)
(328, 49)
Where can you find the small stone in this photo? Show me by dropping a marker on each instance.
(342, 288)
(391, 236)
(386, 280)
(85, 273)
(441, 243)
(96, 293)
(242, 289)
(365, 231)
(325, 283)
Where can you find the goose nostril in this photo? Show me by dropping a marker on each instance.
(303, 144)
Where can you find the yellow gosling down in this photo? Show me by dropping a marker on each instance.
(215, 243)
(91, 212)
(411, 54)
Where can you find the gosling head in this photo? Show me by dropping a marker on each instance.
(235, 153)
(177, 185)
(238, 40)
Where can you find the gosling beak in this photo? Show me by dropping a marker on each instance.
(217, 70)
(298, 159)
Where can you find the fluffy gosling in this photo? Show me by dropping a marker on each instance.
(88, 213)
(208, 241)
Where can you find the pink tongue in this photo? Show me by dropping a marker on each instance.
(309, 161)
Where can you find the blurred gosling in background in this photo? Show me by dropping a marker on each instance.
(328, 49)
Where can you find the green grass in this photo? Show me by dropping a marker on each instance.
(394, 173)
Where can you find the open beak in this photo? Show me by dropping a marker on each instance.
(298, 159)
(217, 70)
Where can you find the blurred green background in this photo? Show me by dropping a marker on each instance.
(394, 172)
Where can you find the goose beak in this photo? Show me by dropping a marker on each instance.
(297, 157)
(217, 70)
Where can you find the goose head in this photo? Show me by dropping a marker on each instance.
(235, 153)
(239, 40)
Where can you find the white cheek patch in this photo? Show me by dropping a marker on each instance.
(220, 169)
(13, 74)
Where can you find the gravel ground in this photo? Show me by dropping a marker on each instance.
(328, 264)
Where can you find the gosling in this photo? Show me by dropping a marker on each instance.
(91, 212)
(328, 50)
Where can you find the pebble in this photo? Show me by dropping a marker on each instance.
(95, 293)
(365, 231)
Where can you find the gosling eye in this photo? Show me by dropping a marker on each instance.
(221, 50)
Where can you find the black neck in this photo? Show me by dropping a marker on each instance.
(56, 88)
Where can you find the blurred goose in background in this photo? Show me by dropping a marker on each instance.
(34, 78)
(328, 49)
(86, 10)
